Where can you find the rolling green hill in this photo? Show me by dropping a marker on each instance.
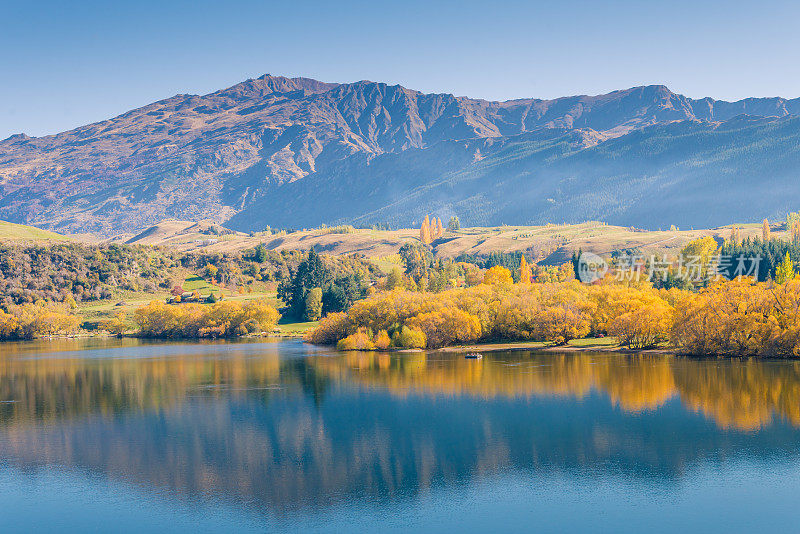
(20, 232)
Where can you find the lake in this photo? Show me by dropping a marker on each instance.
(130, 436)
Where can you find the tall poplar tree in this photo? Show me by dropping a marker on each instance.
(525, 271)
(785, 270)
(425, 231)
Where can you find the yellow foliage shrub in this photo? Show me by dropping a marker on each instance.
(223, 319)
(738, 317)
(498, 275)
(644, 327)
(9, 325)
(409, 338)
(636, 314)
(357, 341)
(447, 326)
(114, 325)
(553, 312)
(332, 328)
(31, 320)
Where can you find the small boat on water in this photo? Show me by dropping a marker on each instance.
(473, 356)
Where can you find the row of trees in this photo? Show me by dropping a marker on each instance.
(27, 321)
(739, 317)
(765, 256)
(509, 260)
(223, 319)
(430, 229)
(702, 261)
(157, 319)
(72, 273)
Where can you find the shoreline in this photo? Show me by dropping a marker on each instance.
(544, 347)
(608, 345)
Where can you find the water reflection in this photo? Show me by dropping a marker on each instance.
(282, 425)
(741, 394)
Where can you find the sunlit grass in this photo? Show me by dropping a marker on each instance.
(14, 231)
(296, 328)
(594, 342)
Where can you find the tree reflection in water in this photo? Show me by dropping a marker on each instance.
(284, 425)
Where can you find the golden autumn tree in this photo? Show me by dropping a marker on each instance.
(697, 257)
(114, 325)
(525, 271)
(765, 231)
(425, 231)
(736, 235)
(785, 270)
(446, 326)
(9, 325)
(643, 327)
(795, 231)
(498, 275)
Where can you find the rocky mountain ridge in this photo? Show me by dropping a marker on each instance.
(217, 155)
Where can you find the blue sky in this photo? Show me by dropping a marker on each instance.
(64, 64)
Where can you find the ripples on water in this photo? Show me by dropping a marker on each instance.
(130, 436)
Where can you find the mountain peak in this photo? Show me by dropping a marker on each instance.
(16, 138)
(267, 84)
(214, 155)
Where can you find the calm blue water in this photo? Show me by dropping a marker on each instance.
(120, 436)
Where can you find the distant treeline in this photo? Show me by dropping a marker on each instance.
(767, 255)
(42, 285)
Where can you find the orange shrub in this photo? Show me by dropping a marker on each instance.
(382, 340)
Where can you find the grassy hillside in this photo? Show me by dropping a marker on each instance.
(550, 243)
(20, 232)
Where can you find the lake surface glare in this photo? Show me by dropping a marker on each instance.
(129, 436)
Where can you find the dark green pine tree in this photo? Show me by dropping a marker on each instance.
(310, 273)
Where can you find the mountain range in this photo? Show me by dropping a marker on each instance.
(296, 152)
